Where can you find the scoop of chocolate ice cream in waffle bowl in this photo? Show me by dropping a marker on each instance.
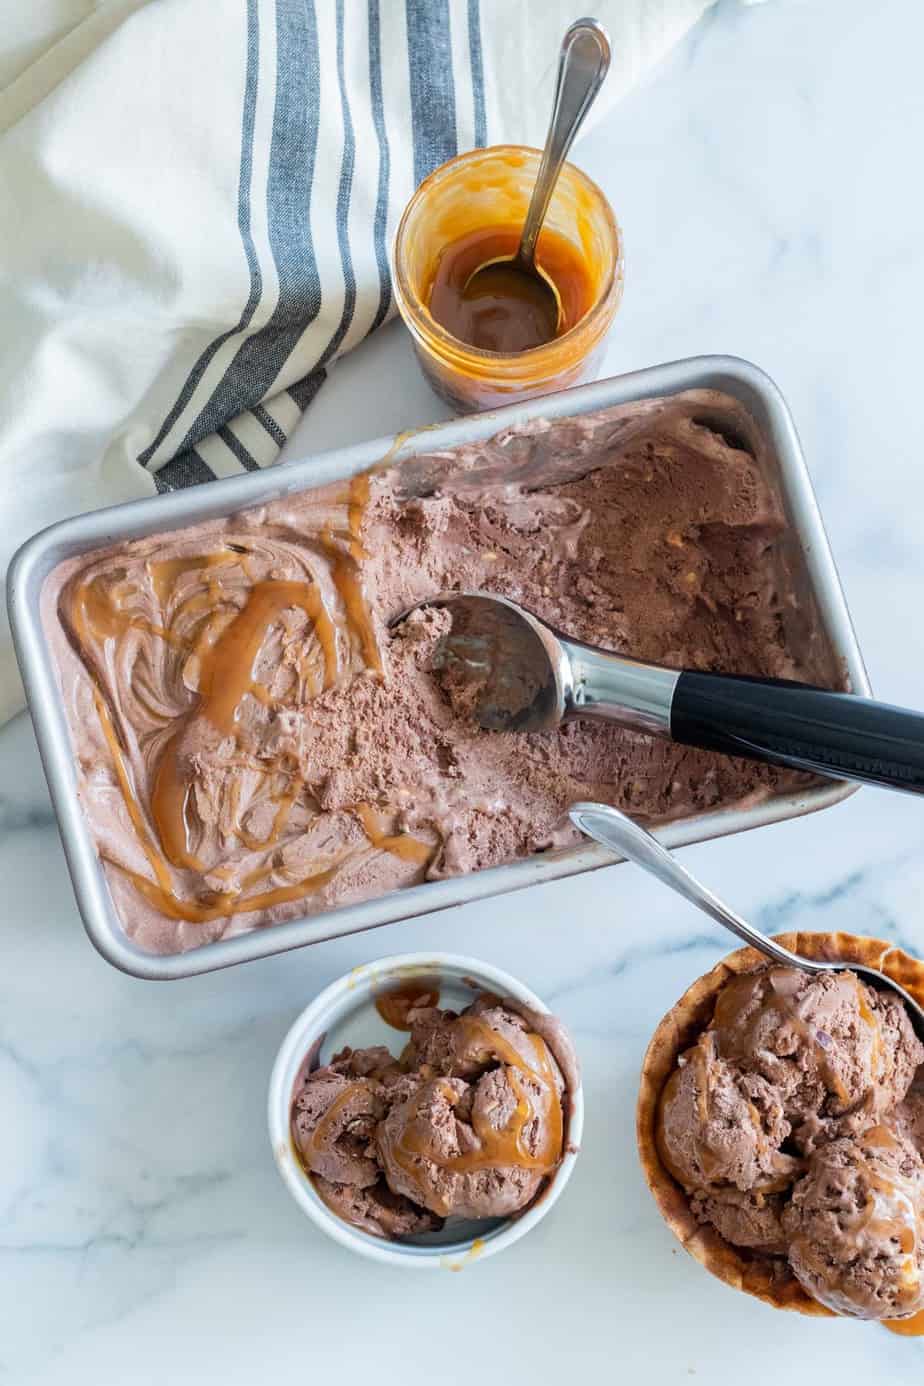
(778, 1129)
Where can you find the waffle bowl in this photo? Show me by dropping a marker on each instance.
(766, 1277)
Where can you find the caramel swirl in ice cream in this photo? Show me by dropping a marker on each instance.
(253, 741)
(746, 1001)
(328, 1123)
(791, 1122)
(537, 1100)
(226, 678)
(470, 1122)
(201, 623)
(870, 1193)
(894, 1205)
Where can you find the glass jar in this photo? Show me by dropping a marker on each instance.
(482, 189)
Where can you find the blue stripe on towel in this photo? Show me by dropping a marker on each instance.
(186, 469)
(304, 390)
(381, 205)
(234, 444)
(269, 423)
(292, 158)
(474, 57)
(433, 97)
(243, 221)
(344, 192)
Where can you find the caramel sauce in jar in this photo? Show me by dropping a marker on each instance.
(506, 320)
(471, 210)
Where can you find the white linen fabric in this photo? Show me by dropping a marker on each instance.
(196, 204)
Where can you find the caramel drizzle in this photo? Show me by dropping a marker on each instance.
(132, 805)
(284, 802)
(97, 614)
(497, 1147)
(867, 1015)
(226, 647)
(403, 845)
(706, 1158)
(356, 509)
(346, 578)
(891, 1213)
(709, 1162)
(325, 1127)
(395, 1003)
(226, 678)
(901, 1226)
(164, 572)
(222, 905)
(733, 1001)
(161, 894)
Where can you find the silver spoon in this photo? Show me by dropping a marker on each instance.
(620, 834)
(523, 675)
(583, 63)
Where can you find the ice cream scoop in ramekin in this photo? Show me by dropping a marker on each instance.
(349, 1014)
(768, 1277)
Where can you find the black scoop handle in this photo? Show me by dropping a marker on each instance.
(794, 724)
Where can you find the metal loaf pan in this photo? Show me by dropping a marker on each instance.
(36, 558)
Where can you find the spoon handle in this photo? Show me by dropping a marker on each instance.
(615, 830)
(793, 724)
(583, 63)
(774, 720)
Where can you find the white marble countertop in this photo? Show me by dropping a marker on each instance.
(768, 184)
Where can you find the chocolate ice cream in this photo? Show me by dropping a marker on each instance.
(855, 1225)
(908, 1117)
(720, 1126)
(252, 743)
(790, 1125)
(750, 1219)
(839, 1054)
(470, 1123)
(376, 1210)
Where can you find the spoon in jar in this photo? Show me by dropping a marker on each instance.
(583, 63)
(621, 834)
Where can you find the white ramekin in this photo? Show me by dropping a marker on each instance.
(345, 1012)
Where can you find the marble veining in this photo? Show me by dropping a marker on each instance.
(766, 183)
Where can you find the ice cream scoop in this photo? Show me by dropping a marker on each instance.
(617, 831)
(721, 1126)
(513, 672)
(470, 1123)
(843, 1227)
(855, 1226)
(329, 1084)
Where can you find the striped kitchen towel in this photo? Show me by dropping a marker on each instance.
(196, 202)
